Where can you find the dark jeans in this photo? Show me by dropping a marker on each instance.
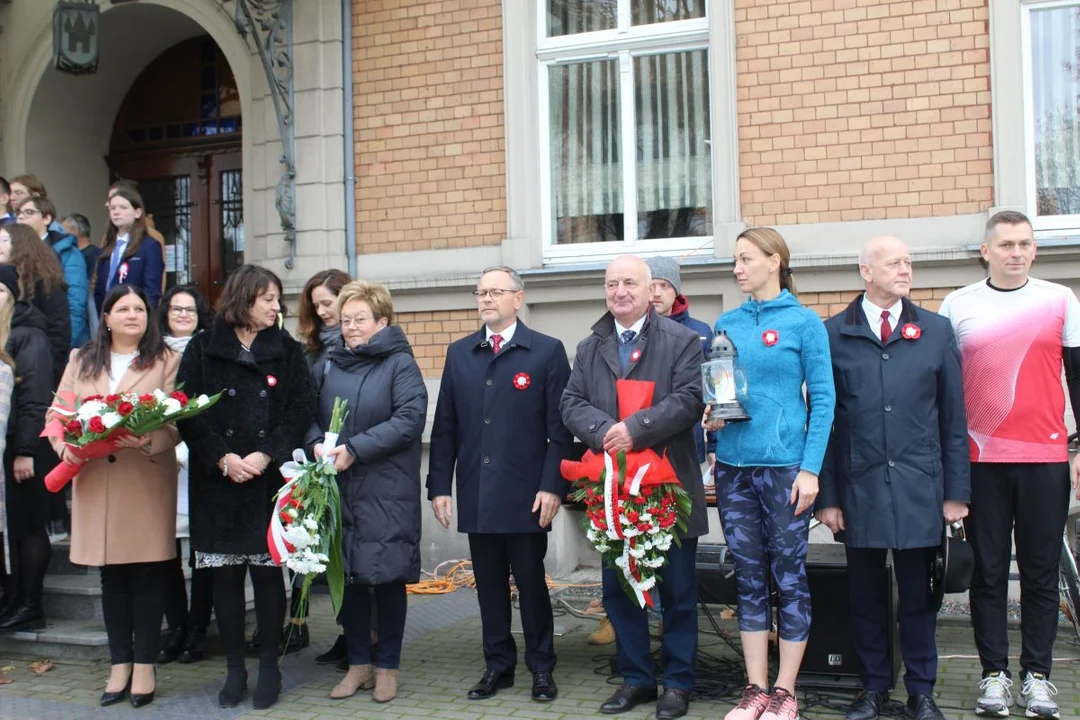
(132, 600)
(1030, 500)
(494, 557)
(391, 604)
(678, 596)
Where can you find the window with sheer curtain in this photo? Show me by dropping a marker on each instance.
(628, 130)
(1053, 65)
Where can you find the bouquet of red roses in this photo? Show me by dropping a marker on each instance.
(92, 428)
(634, 503)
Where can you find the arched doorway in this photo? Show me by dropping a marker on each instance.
(183, 147)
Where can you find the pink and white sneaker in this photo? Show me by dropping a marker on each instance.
(753, 702)
(782, 706)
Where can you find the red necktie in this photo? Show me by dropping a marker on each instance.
(496, 343)
(886, 328)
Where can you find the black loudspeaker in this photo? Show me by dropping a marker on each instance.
(715, 575)
(830, 660)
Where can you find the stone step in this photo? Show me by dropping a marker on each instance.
(60, 562)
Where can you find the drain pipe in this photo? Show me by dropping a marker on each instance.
(349, 142)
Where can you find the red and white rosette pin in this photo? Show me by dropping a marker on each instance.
(636, 355)
(271, 380)
(522, 381)
(770, 337)
(911, 331)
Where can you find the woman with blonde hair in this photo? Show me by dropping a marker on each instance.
(767, 467)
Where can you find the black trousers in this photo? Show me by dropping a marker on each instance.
(177, 612)
(916, 614)
(494, 558)
(269, 585)
(388, 603)
(1031, 502)
(133, 601)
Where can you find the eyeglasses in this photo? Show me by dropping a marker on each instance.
(28, 212)
(493, 294)
(347, 322)
(178, 311)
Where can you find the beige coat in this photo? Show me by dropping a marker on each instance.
(123, 507)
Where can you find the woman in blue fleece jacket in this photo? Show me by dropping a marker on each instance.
(767, 468)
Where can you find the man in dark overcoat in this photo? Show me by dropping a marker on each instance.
(497, 420)
(896, 468)
(632, 341)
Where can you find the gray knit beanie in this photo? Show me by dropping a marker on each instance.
(665, 268)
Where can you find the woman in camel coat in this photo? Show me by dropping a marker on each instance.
(123, 509)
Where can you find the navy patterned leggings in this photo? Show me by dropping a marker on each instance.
(763, 532)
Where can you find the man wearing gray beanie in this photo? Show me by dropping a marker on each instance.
(668, 300)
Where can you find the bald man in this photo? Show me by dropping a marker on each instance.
(896, 469)
(632, 341)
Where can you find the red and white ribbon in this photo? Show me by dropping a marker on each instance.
(612, 503)
(280, 550)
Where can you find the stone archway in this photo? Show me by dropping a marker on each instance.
(58, 126)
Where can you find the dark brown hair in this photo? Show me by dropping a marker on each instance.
(242, 288)
(95, 356)
(43, 204)
(309, 321)
(1005, 217)
(34, 261)
(138, 230)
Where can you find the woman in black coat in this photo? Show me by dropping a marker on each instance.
(27, 500)
(235, 450)
(378, 462)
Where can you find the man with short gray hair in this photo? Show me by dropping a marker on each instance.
(497, 422)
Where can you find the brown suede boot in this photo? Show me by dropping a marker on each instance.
(385, 685)
(604, 634)
(359, 677)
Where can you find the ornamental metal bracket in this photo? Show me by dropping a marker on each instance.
(270, 24)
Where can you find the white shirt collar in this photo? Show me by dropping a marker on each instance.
(873, 313)
(506, 334)
(636, 327)
(121, 239)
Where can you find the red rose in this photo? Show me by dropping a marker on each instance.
(285, 518)
(74, 427)
(97, 425)
(125, 408)
(112, 399)
(181, 397)
(147, 400)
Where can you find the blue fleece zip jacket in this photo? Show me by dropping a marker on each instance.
(781, 345)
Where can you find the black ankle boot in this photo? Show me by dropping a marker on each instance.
(24, 616)
(171, 645)
(193, 646)
(268, 688)
(335, 654)
(232, 694)
(294, 638)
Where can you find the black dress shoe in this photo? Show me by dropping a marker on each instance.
(192, 651)
(342, 665)
(866, 707)
(626, 698)
(923, 707)
(171, 646)
(111, 698)
(140, 699)
(294, 638)
(544, 688)
(335, 654)
(674, 703)
(492, 682)
(234, 689)
(25, 616)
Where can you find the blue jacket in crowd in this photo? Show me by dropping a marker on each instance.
(781, 344)
(73, 263)
(680, 313)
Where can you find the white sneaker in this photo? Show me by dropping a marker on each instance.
(996, 696)
(1037, 695)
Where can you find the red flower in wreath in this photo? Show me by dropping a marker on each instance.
(271, 380)
(522, 381)
(770, 338)
(911, 331)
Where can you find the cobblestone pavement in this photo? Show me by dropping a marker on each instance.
(441, 659)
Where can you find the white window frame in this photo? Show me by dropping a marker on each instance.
(624, 43)
(1045, 225)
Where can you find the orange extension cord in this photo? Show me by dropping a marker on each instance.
(459, 574)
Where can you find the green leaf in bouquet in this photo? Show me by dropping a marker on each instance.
(335, 568)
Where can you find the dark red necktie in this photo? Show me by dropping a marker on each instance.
(886, 328)
(496, 342)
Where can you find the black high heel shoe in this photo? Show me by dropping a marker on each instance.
(111, 698)
(138, 700)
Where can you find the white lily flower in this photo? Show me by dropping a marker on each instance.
(90, 409)
(202, 401)
(172, 406)
(160, 395)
